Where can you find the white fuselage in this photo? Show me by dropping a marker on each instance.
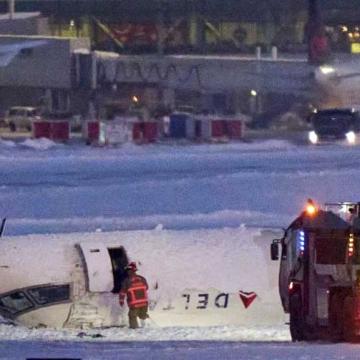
(195, 277)
(340, 81)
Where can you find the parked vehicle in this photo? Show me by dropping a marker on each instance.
(21, 117)
(334, 124)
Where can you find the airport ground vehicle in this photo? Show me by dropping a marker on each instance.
(334, 124)
(319, 278)
(21, 117)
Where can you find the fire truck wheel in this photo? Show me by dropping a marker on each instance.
(297, 325)
(336, 317)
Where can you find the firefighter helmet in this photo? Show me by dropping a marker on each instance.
(131, 266)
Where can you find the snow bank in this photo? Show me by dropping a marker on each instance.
(39, 144)
(80, 149)
(78, 188)
(218, 219)
(7, 143)
(263, 183)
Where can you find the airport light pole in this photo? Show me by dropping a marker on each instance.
(11, 5)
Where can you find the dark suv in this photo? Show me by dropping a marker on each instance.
(334, 124)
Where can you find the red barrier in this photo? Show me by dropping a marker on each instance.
(60, 130)
(218, 128)
(150, 131)
(41, 129)
(93, 131)
(234, 129)
(145, 131)
(138, 131)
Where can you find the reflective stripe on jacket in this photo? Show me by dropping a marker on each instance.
(135, 289)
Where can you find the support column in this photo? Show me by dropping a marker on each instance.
(318, 45)
(168, 98)
(160, 27)
(197, 31)
(11, 8)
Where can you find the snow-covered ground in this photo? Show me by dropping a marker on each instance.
(50, 188)
(59, 188)
(179, 350)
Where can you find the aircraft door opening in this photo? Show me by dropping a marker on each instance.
(119, 260)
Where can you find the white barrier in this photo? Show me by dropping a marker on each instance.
(116, 132)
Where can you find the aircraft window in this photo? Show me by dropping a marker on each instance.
(15, 302)
(50, 294)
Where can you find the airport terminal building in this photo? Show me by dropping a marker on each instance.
(220, 56)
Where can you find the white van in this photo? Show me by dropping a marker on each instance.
(21, 117)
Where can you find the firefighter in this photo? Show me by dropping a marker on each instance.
(135, 289)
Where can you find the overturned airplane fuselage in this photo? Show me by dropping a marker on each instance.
(196, 277)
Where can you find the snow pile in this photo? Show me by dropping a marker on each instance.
(218, 219)
(39, 144)
(7, 143)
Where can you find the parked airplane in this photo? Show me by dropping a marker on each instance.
(9, 51)
(339, 80)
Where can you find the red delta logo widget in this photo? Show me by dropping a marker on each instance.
(220, 300)
(247, 297)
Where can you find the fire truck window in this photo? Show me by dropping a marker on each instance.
(285, 246)
(330, 250)
(284, 252)
(294, 254)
